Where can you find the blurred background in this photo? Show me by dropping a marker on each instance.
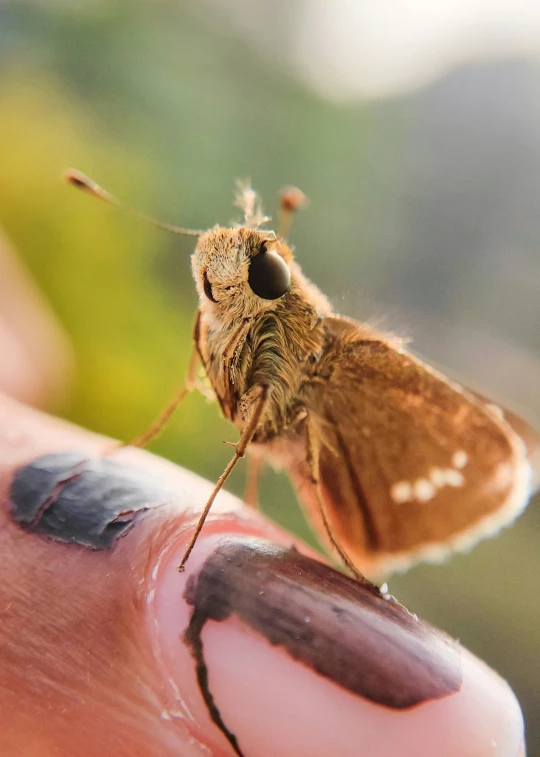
(414, 128)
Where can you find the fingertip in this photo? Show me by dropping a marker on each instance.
(260, 681)
(286, 689)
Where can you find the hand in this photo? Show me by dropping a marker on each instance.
(101, 644)
(104, 645)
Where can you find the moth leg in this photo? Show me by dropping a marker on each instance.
(234, 344)
(257, 409)
(157, 427)
(313, 457)
(251, 492)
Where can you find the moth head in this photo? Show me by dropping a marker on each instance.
(240, 272)
(243, 270)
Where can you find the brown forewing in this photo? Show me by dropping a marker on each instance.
(387, 424)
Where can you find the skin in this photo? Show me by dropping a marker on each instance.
(92, 651)
(93, 663)
(39, 364)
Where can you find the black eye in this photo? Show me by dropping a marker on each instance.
(269, 275)
(208, 288)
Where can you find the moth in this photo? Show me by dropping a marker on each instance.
(393, 462)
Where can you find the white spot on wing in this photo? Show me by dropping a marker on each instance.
(518, 470)
(438, 477)
(401, 492)
(424, 490)
(454, 477)
(459, 459)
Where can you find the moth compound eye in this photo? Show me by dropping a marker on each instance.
(208, 288)
(269, 275)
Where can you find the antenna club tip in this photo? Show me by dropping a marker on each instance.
(78, 179)
(292, 199)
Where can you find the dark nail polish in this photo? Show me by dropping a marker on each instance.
(365, 642)
(92, 502)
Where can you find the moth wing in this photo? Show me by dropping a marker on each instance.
(412, 466)
(527, 433)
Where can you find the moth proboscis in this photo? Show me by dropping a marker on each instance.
(394, 462)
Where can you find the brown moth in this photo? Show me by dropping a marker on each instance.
(393, 462)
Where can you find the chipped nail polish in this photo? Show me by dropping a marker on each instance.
(92, 502)
(288, 656)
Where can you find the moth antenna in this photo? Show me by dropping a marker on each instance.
(81, 181)
(291, 199)
(249, 203)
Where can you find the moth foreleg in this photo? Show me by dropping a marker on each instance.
(232, 348)
(313, 457)
(257, 408)
(251, 492)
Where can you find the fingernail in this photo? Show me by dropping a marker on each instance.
(74, 499)
(270, 652)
